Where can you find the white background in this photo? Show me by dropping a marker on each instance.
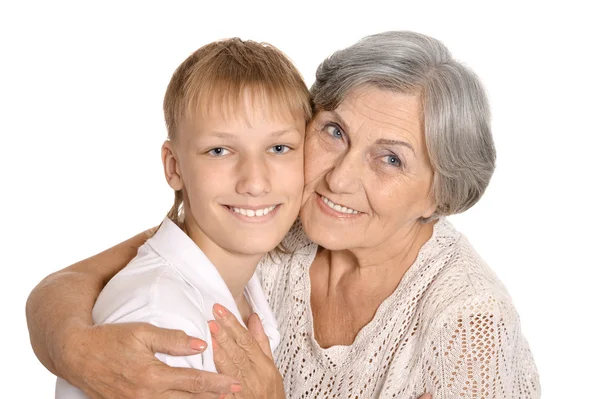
(81, 88)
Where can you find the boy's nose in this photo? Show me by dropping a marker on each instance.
(254, 177)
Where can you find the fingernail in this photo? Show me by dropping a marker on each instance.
(197, 344)
(213, 327)
(220, 310)
(223, 396)
(235, 388)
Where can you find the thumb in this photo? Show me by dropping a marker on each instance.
(170, 342)
(256, 329)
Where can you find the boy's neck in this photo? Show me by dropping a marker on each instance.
(235, 269)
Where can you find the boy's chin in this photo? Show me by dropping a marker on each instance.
(256, 248)
(249, 245)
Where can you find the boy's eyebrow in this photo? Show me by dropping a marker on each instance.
(277, 133)
(223, 135)
(281, 132)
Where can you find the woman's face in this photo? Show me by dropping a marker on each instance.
(367, 171)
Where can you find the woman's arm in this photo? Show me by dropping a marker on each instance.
(113, 360)
(478, 350)
(62, 302)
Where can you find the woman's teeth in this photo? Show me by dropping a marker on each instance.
(338, 207)
(252, 213)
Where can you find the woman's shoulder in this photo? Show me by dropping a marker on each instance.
(468, 321)
(286, 265)
(466, 282)
(296, 240)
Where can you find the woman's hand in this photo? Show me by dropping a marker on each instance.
(245, 355)
(117, 361)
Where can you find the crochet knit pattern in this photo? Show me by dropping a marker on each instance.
(449, 329)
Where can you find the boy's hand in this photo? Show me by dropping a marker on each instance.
(117, 361)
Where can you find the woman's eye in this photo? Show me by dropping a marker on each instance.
(334, 131)
(279, 149)
(392, 160)
(218, 152)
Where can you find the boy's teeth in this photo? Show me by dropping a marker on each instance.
(252, 213)
(338, 207)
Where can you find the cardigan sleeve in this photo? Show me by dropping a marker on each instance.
(475, 351)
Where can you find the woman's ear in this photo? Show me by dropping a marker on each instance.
(171, 166)
(430, 205)
(429, 210)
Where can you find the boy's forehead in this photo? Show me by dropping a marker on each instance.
(239, 120)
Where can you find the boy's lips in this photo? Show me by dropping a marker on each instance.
(253, 213)
(254, 208)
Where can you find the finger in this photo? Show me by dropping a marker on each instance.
(223, 363)
(256, 329)
(426, 396)
(197, 381)
(232, 328)
(171, 342)
(230, 347)
(187, 395)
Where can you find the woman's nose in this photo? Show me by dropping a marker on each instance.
(343, 178)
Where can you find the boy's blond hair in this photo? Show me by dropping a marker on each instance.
(216, 77)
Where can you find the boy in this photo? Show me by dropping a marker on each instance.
(236, 113)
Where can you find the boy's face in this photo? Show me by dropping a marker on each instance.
(242, 177)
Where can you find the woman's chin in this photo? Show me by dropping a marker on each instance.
(323, 235)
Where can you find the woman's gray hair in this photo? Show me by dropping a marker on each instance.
(456, 114)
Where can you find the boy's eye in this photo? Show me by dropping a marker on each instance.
(279, 149)
(218, 152)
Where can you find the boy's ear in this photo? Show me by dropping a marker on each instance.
(171, 166)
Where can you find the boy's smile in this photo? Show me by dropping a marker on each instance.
(253, 214)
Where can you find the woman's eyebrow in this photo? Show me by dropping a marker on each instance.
(395, 142)
(406, 144)
(339, 120)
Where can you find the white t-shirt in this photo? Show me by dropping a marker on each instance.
(172, 284)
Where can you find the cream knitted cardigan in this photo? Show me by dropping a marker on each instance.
(449, 328)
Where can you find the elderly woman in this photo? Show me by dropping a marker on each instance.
(376, 295)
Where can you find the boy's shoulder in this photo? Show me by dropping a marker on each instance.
(147, 287)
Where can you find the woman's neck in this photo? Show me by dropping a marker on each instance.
(380, 266)
(348, 286)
